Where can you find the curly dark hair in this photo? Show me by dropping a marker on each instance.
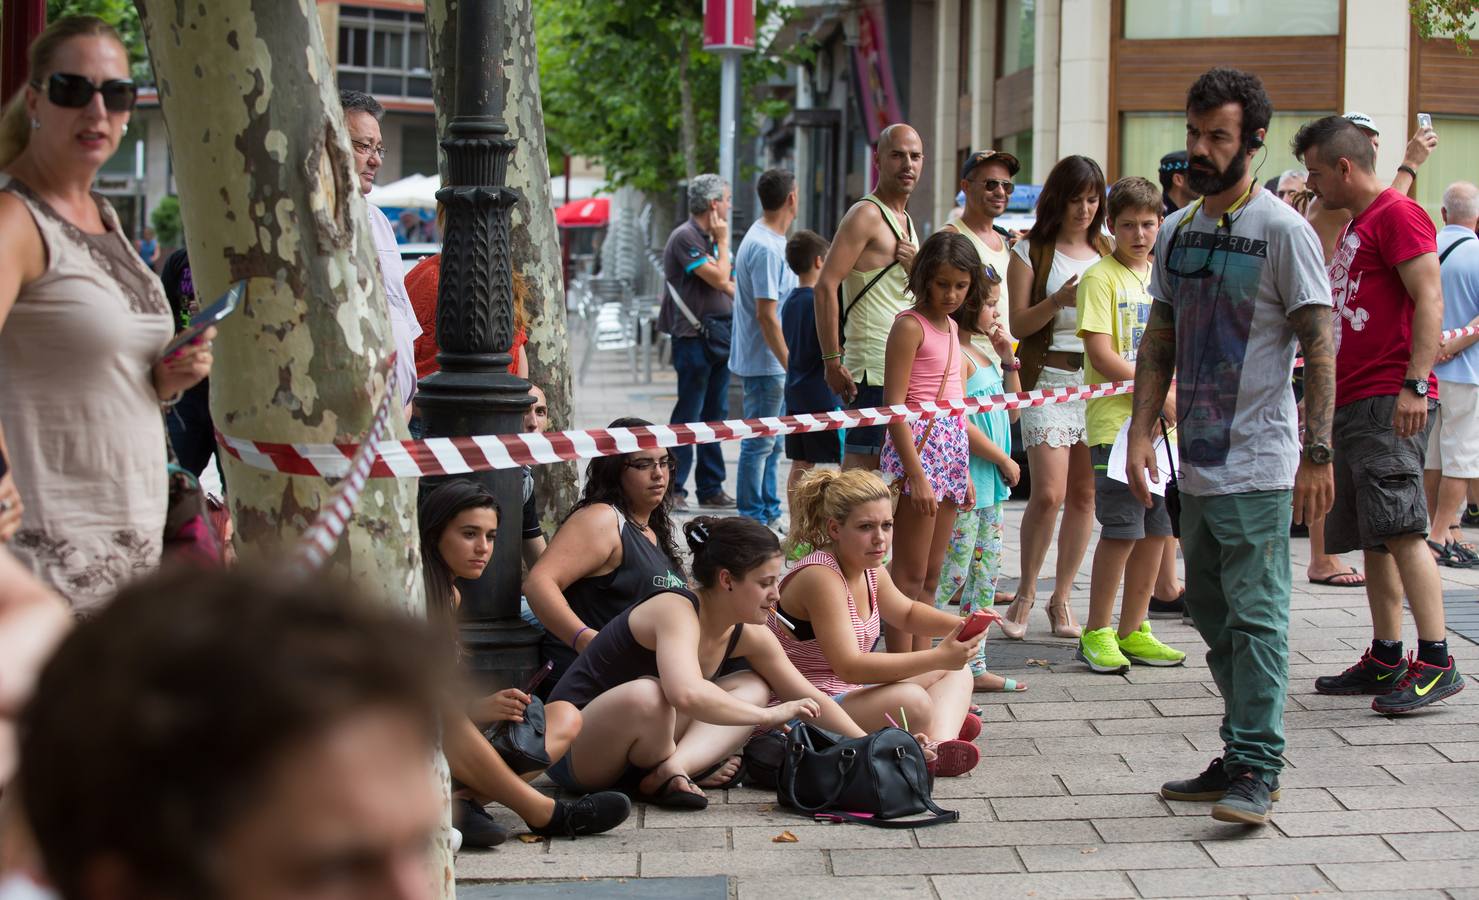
(196, 684)
(1070, 177)
(603, 485)
(1224, 85)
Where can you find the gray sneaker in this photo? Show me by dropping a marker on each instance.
(1247, 801)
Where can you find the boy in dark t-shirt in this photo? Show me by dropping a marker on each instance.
(806, 376)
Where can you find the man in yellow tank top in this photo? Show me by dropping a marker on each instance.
(870, 260)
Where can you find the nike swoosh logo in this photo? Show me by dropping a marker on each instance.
(1423, 691)
(1384, 677)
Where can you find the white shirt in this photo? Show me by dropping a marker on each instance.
(404, 329)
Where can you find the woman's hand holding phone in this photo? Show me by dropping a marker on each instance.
(185, 368)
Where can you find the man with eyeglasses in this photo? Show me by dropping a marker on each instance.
(362, 115)
(1239, 280)
(986, 178)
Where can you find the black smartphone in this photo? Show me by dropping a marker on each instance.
(224, 306)
(534, 680)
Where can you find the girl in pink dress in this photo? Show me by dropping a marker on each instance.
(922, 363)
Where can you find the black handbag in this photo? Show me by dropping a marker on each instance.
(762, 756)
(717, 331)
(1173, 489)
(521, 744)
(881, 775)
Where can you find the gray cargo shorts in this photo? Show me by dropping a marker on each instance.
(1378, 477)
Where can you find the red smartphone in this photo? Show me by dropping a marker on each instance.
(978, 622)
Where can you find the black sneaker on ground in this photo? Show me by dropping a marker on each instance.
(477, 827)
(1248, 800)
(1368, 676)
(1168, 609)
(720, 500)
(1421, 685)
(1206, 787)
(591, 814)
(1471, 516)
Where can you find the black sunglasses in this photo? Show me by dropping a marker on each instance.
(997, 184)
(75, 91)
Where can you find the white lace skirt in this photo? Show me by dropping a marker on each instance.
(1056, 424)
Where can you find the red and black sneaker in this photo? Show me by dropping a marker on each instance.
(1422, 684)
(1368, 676)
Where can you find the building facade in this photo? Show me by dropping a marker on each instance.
(378, 46)
(1043, 79)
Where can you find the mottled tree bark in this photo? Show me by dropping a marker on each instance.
(268, 194)
(535, 239)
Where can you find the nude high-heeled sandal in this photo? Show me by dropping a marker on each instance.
(1014, 623)
(1067, 627)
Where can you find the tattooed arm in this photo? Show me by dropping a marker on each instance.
(1155, 362)
(1314, 485)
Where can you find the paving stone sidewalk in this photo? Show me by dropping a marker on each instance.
(1064, 803)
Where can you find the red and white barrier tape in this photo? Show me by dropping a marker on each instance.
(317, 543)
(1445, 336)
(463, 455)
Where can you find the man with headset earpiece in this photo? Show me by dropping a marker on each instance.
(1239, 282)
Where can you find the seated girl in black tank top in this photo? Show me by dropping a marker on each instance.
(655, 709)
(614, 550)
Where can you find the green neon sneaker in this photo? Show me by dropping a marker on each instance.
(1143, 648)
(1100, 650)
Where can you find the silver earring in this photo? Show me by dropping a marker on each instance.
(35, 124)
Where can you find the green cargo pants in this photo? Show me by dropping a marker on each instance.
(1236, 548)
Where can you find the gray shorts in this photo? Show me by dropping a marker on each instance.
(1122, 517)
(1378, 477)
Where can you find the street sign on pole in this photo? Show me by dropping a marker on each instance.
(729, 30)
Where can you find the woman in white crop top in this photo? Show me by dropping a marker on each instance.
(1070, 216)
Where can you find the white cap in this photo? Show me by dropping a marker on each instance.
(1363, 121)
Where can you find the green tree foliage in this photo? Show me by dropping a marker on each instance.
(1446, 18)
(122, 15)
(609, 71)
(165, 220)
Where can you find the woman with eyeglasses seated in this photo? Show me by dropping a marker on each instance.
(659, 712)
(615, 546)
(83, 322)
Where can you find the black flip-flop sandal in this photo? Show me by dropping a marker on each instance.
(670, 797)
(732, 782)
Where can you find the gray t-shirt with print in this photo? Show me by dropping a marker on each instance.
(1231, 291)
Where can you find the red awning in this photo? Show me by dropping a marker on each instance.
(594, 212)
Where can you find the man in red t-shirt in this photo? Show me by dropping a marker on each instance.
(1385, 284)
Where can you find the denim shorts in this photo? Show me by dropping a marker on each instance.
(1378, 477)
(869, 438)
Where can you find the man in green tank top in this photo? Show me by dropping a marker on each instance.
(870, 260)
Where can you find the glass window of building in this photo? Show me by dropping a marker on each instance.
(1149, 19)
(1018, 34)
(383, 52)
(1146, 137)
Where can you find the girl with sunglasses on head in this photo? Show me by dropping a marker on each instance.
(662, 720)
(615, 546)
(83, 322)
(459, 524)
(973, 563)
(1042, 278)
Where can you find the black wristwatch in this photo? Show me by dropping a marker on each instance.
(1418, 386)
(1318, 454)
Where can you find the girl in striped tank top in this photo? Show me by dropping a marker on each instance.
(834, 603)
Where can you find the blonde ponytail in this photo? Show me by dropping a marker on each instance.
(15, 131)
(826, 494)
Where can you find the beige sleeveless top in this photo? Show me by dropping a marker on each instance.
(872, 315)
(81, 417)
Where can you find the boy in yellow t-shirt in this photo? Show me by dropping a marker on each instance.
(1113, 306)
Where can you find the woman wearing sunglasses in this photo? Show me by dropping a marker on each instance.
(616, 545)
(82, 325)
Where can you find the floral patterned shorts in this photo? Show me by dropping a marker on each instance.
(946, 457)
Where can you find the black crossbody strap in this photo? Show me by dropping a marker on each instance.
(1451, 247)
